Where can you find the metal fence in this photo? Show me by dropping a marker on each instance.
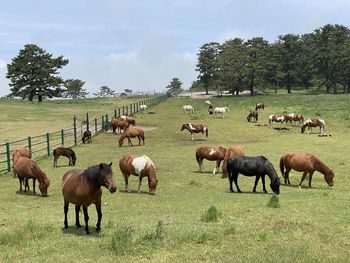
(42, 145)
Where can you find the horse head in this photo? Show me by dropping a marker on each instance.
(303, 128)
(105, 177)
(275, 185)
(227, 109)
(183, 127)
(43, 186)
(329, 178)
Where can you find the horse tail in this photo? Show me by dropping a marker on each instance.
(282, 166)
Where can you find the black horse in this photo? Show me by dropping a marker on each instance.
(86, 136)
(253, 166)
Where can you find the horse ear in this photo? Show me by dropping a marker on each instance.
(110, 164)
(101, 166)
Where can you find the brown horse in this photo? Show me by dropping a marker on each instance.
(294, 118)
(276, 118)
(252, 115)
(140, 166)
(83, 187)
(259, 106)
(20, 152)
(132, 133)
(313, 123)
(231, 152)
(86, 137)
(69, 153)
(130, 120)
(306, 163)
(212, 154)
(26, 169)
(195, 128)
(119, 124)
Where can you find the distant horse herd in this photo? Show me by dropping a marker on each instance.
(82, 187)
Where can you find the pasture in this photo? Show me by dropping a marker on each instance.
(193, 217)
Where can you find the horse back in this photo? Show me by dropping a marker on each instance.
(298, 161)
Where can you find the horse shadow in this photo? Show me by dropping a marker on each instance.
(135, 192)
(28, 193)
(63, 165)
(250, 193)
(73, 230)
(304, 187)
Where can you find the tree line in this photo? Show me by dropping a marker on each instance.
(320, 58)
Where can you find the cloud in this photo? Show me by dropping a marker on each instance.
(128, 57)
(3, 64)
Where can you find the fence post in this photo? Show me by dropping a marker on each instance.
(106, 122)
(87, 121)
(8, 155)
(115, 113)
(75, 129)
(123, 111)
(118, 112)
(48, 143)
(130, 109)
(103, 123)
(95, 126)
(30, 143)
(62, 137)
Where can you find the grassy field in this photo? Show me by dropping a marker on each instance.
(193, 217)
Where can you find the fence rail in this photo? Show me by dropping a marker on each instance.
(42, 145)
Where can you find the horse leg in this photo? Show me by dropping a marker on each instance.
(20, 184)
(263, 183)
(192, 136)
(200, 164)
(33, 185)
(86, 219)
(256, 183)
(140, 182)
(139, 140)
(126, 179)
(65, 209)
(77, 210)
(55, 161)
(302, 178)
(310, 178)
(286, 175)
(235, 177)
(99, 215)
(129, 142)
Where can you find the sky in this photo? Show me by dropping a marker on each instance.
(142, 44)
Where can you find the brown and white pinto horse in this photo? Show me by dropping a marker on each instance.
(118, 124)
(294, 118)
(310, 123)
(211, 154)
(20, 152)
(140, 166)
(26, 169)
(276, 118)
(306, 163)
(259, 106)
(253, 115)
(195, 128)
(231, 152)
(83, 188)
(132, 132)
(130, 120)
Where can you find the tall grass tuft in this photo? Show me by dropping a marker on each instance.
(122, 240)
(156, 235)
(211, 215)
(273, 202)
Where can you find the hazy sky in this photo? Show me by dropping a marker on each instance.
(142, 44)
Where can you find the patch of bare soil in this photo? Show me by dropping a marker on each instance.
(147, 127)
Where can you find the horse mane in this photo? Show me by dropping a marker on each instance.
(92, 172)
(40, 175)
(149, 161)
(321, 166)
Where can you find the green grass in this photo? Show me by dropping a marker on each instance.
(299, 225)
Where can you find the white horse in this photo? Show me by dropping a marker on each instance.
(208, 103)
(143, 108)
(221, 110)
(188, 108)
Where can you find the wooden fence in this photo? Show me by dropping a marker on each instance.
(42, 145)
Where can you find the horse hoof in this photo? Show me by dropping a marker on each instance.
(66, 226)
(78, 226)
(98, 229)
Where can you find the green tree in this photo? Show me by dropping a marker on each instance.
(74, 89)
(105, 92)
(34, 72)
(174, 86)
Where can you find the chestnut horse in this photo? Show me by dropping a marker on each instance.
(83, 187)
(140, 166)
(132, 133)
(231, 152)
(294, 118)
(306, 163)
(259, 106)
(26, 169)
(20, 152)
(86, 137)
(211, 154)
(313, 123)
(253, 166)
(119, 124)
(195, 128)
(252, 115)
(69, 153)
(276, 118)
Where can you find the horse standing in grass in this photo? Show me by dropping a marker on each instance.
(259, 106)
(143, 108)
(86, 137)
(26, 169)
(310, 123)
(221, 110)
(231, 152)
(253, 115)
(211, 154)
(140, 166)
(83, 187)
(188, 108)
(306, 163)
(20, 152)
(69, 153)
(253, 166)
(132, 133)
(119, 124)
(130, 120)
(294, 118)
(276, 118)
(195, 128)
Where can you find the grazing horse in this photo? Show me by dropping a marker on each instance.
(310, 123)
(86, 137)
(212, 154)
(188, 108)
(83, 187)
(259, 106)
(130, 120)
(69, 153)
(118, 124)
(195, 128)
(132, 133)
(208, 103)
(306, 163)
(143, 108)
(231, 152)
(252, 115)
(20, 152)
(276, 118)
(253, 166)
(294, 118)
(26, 169)
(221, 110)
(140, 166)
